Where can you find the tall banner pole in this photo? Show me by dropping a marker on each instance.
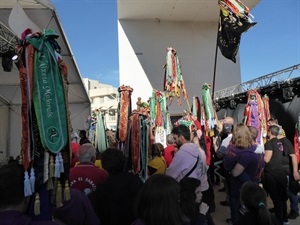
(215, 69)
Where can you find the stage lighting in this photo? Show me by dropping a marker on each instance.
(233, 104)
(217, 106)
(7, 60)
(288, 93)
(6, 63)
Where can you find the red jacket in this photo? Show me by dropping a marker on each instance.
(75, 147)
(86, 176)
(169, 152)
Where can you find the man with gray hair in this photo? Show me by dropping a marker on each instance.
(169, 151)
(275, 177)
(86, 176)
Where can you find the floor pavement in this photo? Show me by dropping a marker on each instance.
(223, 212)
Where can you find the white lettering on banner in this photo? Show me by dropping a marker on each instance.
(47, 97)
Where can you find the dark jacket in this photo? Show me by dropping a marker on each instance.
(113, 200)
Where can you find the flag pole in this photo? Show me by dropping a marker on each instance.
(215, 69)
(189, 106)
(215, 66)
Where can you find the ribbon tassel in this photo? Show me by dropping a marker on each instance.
(67, 192)
(61, 162)
(32, 180)
(57, 167)
(37, 205)
(51, 167)
(27, 186)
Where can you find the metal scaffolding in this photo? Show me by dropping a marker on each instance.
(278, 77)
(8, 40)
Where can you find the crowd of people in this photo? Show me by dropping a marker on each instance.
(179, 188)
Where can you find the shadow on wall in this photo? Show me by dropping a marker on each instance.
(286, 112)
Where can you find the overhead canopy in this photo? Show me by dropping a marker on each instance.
(15, 17)
(172, 10)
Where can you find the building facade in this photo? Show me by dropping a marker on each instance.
(105, 99)
(146, 28)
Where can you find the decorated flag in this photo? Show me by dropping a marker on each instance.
(173, 80)
(297, 139)
(101, 138)
(234, 20)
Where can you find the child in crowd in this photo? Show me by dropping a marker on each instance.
(254, 198)
(191, 201)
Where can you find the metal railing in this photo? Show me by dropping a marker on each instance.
(277, 77)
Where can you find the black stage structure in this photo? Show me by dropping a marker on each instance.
(282, 88)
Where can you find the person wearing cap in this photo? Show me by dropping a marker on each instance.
(85, 176)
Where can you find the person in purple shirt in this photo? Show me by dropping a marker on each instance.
(242, 162)
(76, 211)
(187, 160)
(13, 203)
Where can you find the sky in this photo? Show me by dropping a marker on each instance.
(91, 29)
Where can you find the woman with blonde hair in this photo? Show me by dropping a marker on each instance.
(157, 163)
(242, 136)
(242, 162)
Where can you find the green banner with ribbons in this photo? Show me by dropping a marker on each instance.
(48, 93)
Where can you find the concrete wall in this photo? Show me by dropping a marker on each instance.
(142, 55)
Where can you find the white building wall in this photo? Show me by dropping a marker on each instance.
(142, 55)
(105, 98)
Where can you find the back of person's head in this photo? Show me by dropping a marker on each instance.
(228, 120)
(182, 130)
(241, 136)
(274, 130)
(12, 160)
(170, 139)
(254, 132)
(11, 185)
(158, 201)
(113, 161)
(157, 149)
(188, 205)
(255, 200)
(82, 133)
(272, 121)
(86, 153)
